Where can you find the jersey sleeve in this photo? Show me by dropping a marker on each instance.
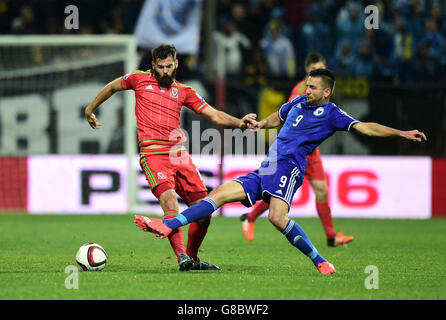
(283, 111)
(285, 108)
(194, 101)
(129, 80)
(341, 120)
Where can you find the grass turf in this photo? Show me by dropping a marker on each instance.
(36, 249)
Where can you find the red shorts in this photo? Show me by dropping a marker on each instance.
(172, 170)
(314, 169)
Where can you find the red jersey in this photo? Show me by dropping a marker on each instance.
(158, 109)
(298, 90)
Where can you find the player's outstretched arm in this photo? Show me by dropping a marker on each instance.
(224, 119)
(105, 93)
(373, 129)
(272, 121)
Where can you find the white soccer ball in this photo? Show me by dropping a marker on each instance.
(91, 256)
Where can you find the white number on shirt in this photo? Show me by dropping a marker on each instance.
(283, 180)
(299, 117)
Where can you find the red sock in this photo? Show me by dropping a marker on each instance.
(324, 212)
(195, 237)
(176, 239)
(257, 210)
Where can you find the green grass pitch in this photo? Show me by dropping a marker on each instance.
(35, 250)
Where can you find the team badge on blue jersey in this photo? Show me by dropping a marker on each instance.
(318, 111)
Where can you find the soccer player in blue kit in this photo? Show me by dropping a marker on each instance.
(308, 121)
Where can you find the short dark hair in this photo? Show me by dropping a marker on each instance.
(314, 57)
(328, 77)
(163, 51)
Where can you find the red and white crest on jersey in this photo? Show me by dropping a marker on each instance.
(174, 92)
(161, 175)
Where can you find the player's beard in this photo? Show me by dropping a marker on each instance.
(313, 102)
(165, 81)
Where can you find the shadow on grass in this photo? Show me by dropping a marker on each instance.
(166, 269)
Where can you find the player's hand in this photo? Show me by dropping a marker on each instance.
(415, 135)
(257, 125)
(94, 123)
(249, 121)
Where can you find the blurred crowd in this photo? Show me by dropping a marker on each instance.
(408, 44)
(48, 16)
(259, 39)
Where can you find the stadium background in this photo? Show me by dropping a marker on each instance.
(393, 75)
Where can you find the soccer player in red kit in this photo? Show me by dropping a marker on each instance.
(314, 173)
(165, 161)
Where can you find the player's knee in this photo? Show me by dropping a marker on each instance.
(321, 192)
(218, 196)
(169, 205)
(322, 195)
(226, 193)
(276, 219)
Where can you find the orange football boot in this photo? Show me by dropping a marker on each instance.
(155, 226)
(326, 268)
(339, 239)
(247, 227)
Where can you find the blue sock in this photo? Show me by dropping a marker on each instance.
(297, 237)
(200, 210)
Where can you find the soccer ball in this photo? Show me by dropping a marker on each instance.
(91, 256)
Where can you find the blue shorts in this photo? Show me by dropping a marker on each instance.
(261, 184)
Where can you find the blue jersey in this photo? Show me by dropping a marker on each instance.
(306, 127)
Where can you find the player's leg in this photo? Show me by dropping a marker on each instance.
(192, 189)
(322, 207)
(245, 189)
(196, 233)
(278, 216)
(226, 193)
(279, 189)
(334, 238)
(248, 219)
(229, 192)
(259, 208)
(316, 176)
(169, 204)
(163, 189)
